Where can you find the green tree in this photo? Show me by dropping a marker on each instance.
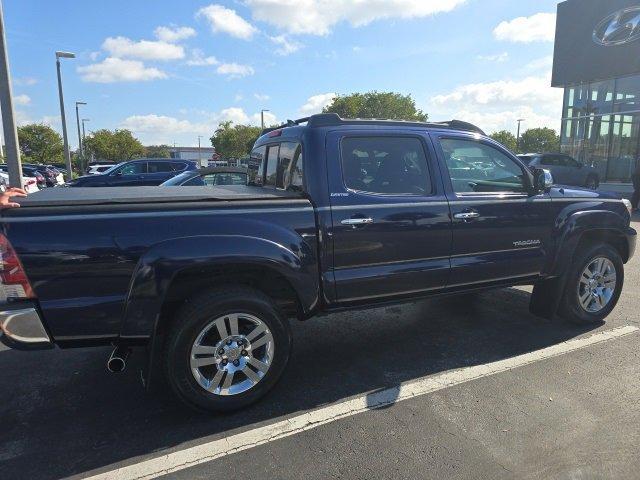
(506, 138)
(114, 146)
(385, 105)
(40, 143)
(539, 140)
(234, 141)
(157, 151)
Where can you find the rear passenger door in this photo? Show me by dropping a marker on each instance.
(158, 172)
(390, 228)
(500, 229)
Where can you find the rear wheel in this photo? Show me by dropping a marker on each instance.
(593, 285)
(227, 349)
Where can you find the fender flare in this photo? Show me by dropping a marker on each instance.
(159, 266)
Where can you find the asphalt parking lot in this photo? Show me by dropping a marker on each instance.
(573, 414)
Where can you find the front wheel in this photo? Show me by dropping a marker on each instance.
(227, 349)
(594, 284)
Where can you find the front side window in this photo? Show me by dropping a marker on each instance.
(385, 165)
(478, 168)
(133, 168)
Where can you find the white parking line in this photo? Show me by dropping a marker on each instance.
(180, 460)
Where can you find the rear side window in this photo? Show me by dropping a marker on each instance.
(289, 173)
(255, 168)
(160, 167)
(178, 166)
(385, 165)
(272, 165)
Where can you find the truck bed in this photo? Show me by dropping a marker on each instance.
(60, 197)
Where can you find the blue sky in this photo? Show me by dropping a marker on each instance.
(171, 71)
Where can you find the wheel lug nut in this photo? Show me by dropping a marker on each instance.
(221, 351)
(236, 363)
(228, 342)
(243, 353)
(224, 362)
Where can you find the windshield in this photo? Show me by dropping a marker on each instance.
(106, 172)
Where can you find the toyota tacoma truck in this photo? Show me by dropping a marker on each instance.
(337, 214)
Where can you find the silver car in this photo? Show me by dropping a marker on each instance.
(564, 169)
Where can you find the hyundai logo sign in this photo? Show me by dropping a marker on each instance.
(619, 28)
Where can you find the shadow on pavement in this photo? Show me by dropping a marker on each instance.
(63, 414)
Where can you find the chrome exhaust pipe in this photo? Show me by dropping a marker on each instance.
(117, 361)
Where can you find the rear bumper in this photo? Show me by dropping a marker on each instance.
(21, 328)
(631, 241)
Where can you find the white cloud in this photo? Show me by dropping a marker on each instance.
(174, 34)
(285, 46)
(540, 64)
(316, 103)
(239, 97)
(498, 57)
(540, 27)
(199, 60)
(112, 70)
(25, 81)
(22, 99)
(317, 17)
(497, 105)
(261, 96)
(122, 47)
(226, 20)
(94, 56)
(235, 70)
(162, 129)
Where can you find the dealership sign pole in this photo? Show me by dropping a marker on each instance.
(8, 116)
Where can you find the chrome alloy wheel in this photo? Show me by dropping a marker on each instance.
(232, 354)
(597, 285)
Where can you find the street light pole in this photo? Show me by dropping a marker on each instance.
(80, 139)
(83, 143)
(8, 115)
(520, 120)
(199, 152)
(262, 117)
(67, 154)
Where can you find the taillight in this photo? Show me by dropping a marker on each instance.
(13, 279)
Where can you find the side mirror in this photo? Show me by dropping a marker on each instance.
(542, 180)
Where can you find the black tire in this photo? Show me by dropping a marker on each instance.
(194, 317)
(592, 182)
(570, 307)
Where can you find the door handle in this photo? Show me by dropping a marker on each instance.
(466, 215)
(357, 221)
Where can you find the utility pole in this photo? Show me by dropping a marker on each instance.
(80, 139)
(67, 154)
(199, 152)
(8, 116)
(262, 117)
(520, 120)
(84, 154)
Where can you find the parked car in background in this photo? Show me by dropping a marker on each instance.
(4, 182)
(97, 168)
(51, 175)
(32, 179)
(139, 172)
(211, 177)
(564, 169)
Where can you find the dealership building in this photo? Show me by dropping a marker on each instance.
(597, 62)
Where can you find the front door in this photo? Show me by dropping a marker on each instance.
(391, 229)
(128, 175)
(500, 230)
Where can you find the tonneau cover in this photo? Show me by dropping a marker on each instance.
(62, 196)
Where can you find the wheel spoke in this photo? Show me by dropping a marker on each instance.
(228, 380)
(263, 367)
(203, 350)
(215, 381)
(602, 265)
(202, 362)
(586, 275)
(222, 328)
(251, 375)
(261, 341)
(585, 300)
(233, 324)
(256, 331)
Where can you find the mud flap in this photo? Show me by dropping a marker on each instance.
(546, 297)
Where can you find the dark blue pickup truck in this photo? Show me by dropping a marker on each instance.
(338, 214)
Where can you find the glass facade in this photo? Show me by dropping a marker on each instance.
(601, 126)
